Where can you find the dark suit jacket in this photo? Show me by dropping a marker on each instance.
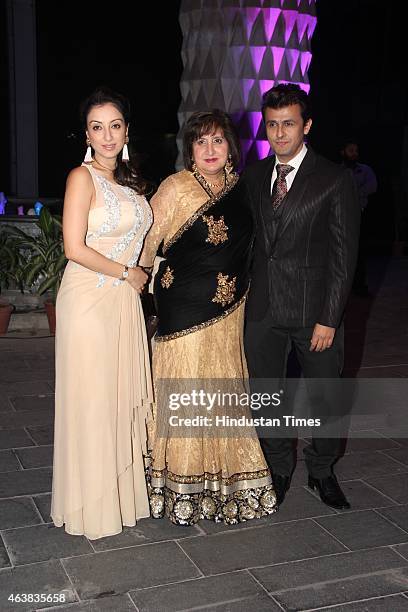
(303, 274)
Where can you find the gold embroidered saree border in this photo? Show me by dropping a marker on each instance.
(199, 212)
(196, 328)
(210, 482)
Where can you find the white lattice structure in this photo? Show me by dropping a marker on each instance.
(235, 50)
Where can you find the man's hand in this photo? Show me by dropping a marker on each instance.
(322, 337)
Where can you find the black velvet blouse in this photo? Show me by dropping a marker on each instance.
(205, 273)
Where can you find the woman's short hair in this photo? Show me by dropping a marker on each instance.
(207, 122)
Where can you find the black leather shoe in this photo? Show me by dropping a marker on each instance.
(281, 485)
(329, 491)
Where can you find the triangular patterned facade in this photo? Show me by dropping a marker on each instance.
(235, 50)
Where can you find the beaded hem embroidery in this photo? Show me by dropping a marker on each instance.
(249, 498)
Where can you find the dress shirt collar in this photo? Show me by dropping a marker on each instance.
(295, 161)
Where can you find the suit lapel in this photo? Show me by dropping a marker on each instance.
(295, 193)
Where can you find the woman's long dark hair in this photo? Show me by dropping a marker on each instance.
(126, 173)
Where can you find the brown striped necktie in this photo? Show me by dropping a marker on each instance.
(280, 189)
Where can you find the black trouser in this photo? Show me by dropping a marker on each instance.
(267, 349)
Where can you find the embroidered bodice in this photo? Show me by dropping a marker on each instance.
(118, 223)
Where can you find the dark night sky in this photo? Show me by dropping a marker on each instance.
(357, 84)
(359, 87)
(81, 49)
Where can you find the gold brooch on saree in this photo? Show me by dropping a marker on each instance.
(217, 230)
(225, 289)
(167, 278)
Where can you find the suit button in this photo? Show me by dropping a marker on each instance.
(272, 257)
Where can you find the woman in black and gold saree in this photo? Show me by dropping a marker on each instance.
(203, 226)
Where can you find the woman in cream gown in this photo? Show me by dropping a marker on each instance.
(203, 224)
(103, 385)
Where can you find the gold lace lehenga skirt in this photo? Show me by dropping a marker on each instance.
(225, 479)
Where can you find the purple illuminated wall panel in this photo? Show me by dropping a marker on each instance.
(235, 50)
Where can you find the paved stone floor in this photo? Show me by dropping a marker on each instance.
(305, 557)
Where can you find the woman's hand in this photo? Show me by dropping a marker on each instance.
(137, 278)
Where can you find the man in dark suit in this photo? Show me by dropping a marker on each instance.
(307, 218)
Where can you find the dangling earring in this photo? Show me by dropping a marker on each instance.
(125, 152)
(88, 155)
(229, 166)
(194, 168)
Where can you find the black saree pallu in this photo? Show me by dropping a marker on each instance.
(205, 273)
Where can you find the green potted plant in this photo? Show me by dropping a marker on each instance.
(6, 264)
(10, 273)
(44, 259)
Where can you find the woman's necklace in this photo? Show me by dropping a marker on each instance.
(207, 185)
(105, 167)
(216, 185)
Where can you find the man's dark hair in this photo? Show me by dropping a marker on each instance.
(347, 141)
(286, 95)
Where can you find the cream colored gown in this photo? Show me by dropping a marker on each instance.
(103, 388)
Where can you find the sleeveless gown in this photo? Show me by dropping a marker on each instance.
(103, 391)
